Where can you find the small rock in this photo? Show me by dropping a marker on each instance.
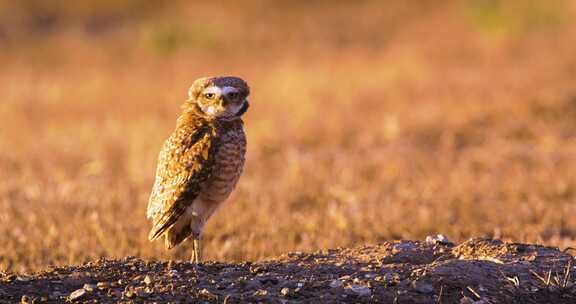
(77, 294)
(336, 283)
(360, 290)
(22, 279)
(89, 287)
(206, 293)
(369, 275)
(285, 291)
(422, 287)
(147, 280)
(438, 239)
(173, 273)
(260, 293)
(402, 247)
(255, 269)
(9, 278)
(25, 300)
(129, 293)
(102, 285)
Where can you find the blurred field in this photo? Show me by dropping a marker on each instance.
(369, 121)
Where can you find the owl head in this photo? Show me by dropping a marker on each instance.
(219, 97)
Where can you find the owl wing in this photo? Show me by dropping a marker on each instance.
(184, 163)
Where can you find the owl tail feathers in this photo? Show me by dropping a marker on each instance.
(174, 232)
(155, 233)
(163, 223)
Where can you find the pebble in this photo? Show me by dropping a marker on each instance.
(129, 293)
(173, 273)
(422, 287)
(437, 239)
(336, 283)
(25, 300)
(260, 293)
(89, 287)
(205, 292)
(360, 290)
(403, 246)
(147, 280)
(102, 285)
(77, 294)
(285, 291)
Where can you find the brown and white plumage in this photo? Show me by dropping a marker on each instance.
(201, 162)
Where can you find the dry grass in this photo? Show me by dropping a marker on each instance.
(367, 124)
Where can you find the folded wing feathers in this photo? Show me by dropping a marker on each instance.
(185, 162)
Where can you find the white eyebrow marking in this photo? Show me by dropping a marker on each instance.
(213, 90)
(227, 90)
(220, 91)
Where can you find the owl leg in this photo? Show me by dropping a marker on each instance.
(196, 249)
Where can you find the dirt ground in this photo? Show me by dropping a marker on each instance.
(432, 271)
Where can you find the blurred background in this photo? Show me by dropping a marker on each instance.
(369, 121)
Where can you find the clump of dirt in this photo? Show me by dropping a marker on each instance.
(476, 271)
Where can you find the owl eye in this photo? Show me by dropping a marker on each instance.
(208, 95)
(232, 95)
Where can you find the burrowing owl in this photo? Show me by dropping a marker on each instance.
(200, 162)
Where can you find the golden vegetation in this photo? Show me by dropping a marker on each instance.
(369, 121)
